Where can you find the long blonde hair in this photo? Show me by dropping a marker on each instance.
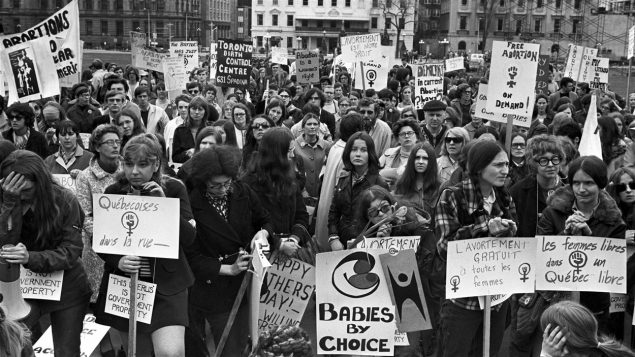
(14, 336)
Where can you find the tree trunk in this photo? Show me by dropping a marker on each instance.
(489, 9)
(397, 44)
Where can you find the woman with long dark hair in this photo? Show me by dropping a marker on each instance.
(542, 112)
(131, 125)
(42, 230)
(419, 185)
(622, 189)
(260, 124)
(197, 115)
(276, 111)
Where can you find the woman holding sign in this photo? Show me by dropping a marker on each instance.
(41, 228)
(142, 176)
(477, 207)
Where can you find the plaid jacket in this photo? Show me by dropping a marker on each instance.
(460, 215)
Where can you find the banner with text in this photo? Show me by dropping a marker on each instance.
(482, 112)
(118, 298)
(542, 76)
(188, 51)
(92, 334)
(391, 245)
(586, 65)
(279, 55)
(431, 70)
(490, 266)
(136, 225)
(574, 60)
(150, 59)
(137, 43)
(454, 64)
(61, 34)
(511, 89)
(427, 89)
(360, 48)
(234, 63)
(580, 263)
(600, 73)
(41, 286)
(307, 66)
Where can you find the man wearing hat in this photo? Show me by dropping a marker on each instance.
(434, 114)
(83, 113)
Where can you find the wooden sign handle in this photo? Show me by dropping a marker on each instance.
(132, 317)
(487, 322)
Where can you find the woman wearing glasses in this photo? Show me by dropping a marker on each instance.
(463, 102)
(184, 136)
(256, 130)
(406, 133)
(453, 141)
(21, 119)
(622, 189)
(518, 168)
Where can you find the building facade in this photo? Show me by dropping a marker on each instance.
(223, 13)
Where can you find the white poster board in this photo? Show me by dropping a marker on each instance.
(118, 298)
(391, 245)
(580, 263)
(490, 266)
(174, 75)
(136, 225)
(586, 66)
(427, 89)
(360, 48)
(188, 51)
(482, 112)
(307, 66)
(631, 42)
(150, 60)
(279, 55)
(66, 181)
(574, 60)
(454, 64)
(260, 266)
(91, 336)
(374, 74)
(137, 43)
(511, 85)
(212, 60)
(41, 286)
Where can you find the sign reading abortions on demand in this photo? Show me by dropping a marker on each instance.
(136, 225)
(354, 311)
(512, 84)
(490, 266)
(579, 263)
(233, 66)
(482, 112)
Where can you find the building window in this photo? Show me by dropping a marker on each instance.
(89, 27)
(305, 23)
(119, 4)
(556, 25)
(576, 4)
(16, 4)
(320, 2)
(334, 3)
(289, 20)
(462, 22)
(464, 2)
(259, 19)
(104, 27)
(161, 5)
(88, 4)
(481, 24)
(259, 41)
(519, 26)
(499, 24)
(387, 24)
(104, 4)
(373, 22)
(347, 3)
(274, 20)
(290, 2)
(275, 2)
(538, 25)
(319, 24)
(289, 42)
(333, 23)
(375, 3)
(305, 2)
(575, 24)
(539, 3)
(558, 4)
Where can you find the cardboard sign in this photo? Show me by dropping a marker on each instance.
(392, 245)
(91, 336)
(374, 74)
(260, 266)
(118, 298)
(285, 294)
(212, 60)
(431, 70)
(28, 71)
(234, 63)
(354, 312)
(360, 48)
(511, 89)
(454, 64)
(542, 76)
(406, 290)
(579, 263)
(490, 266)
(631, 42)
(150, 60)
(482, 112)
(60, 32)
(574, 60)
(599, 72)
(136, 225)
(427, 89)
(188, 51)
(494, 300)
(586, 65)
(66, 181)
(41, 286)
(137, 43)
(174, 75)
(279, 55)
(307, 66)
(618, 303)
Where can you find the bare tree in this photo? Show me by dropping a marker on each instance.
(488, 5)
(399, 13)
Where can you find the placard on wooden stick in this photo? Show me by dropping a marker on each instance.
(118, 298)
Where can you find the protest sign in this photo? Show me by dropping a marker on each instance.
(354, 312)
(260, 266)
(27, 67)
(60, 32)
(580, 263)
(136, 225)
(542, 76)
(427, 89)
(391, 245)
(307, 66)
(599, 73)
(618, 303)
(279, 55)
(234, 63)
(431, 70)
(66, 181)
(92, 334)
(482, 112)
(454, 64)
(511, 85)
(137, 43)
(574, 60)
(490, 266)
(118, 298)
(374, 74)
(212, 60)
(631, 42)
(586, 65)
(188, 51)
(174, 74)
(360, 48)
(494, 300)
(288, 285)
(150, 60)
(41, 286)
(85, 139)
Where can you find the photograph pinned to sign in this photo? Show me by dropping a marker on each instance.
(66, 181)
(481, 110)
(91, 336)
(581, 263)
(41, 286)
(118, 298)
(136, 225)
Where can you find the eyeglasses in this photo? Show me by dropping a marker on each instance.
(315, 98)
(220, 185)
(621, 187)
(370, 112)
(194, 92)
(115, 100)
(111, 142)
(260, 126)
(284, 96)
(239, 114)
(543, 161)
(406, 134)
(374, 212)
(453, 140)
(518, 146)
(15, 117)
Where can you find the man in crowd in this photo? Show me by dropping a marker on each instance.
(154, 118)
(377, 129)
(433, 130)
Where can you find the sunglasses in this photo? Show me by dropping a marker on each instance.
(456, 140)
(374, 212)
(15, 117)
(621, 187)
(218, 186)
(518, 146)
(194, 92)
(260, 126)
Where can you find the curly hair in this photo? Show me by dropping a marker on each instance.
(396, 128)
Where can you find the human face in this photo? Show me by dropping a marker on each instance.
(217, 186)
(378, 210)
(83, 99)
(239, 94)
(115, 104)
(453, 144)
(311, 127)
(143, 82)
(127, 124)
(368, 114)
(143, 100)
(407, 136)
(194, 91)
(354, 101)
(631, 100)
(162, 93)
(567, 112)
(197, 113)
(550, 171)
(18, 122)
(569, 87)
(36, 109)
(259, 127)
(338, 92)
(585, 190)
(119, 72)
(406, 95)
(314, 99)
(182, 108)
(119, 88)
(496, 172)
(299, 90)
(207, 142)
(138, 171)
(541, 105)
(275, 114)
(109, 146)
(626, 189)
(201, 76)
(68, 140)
(27, 194)
(467, 94)
(518, 147)
(344, 105)
(620, 125)
(210, 96)
(240, 117)
(51, 116)
(359, 154)
(329, 92)
(421, 161)
(435, 118)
